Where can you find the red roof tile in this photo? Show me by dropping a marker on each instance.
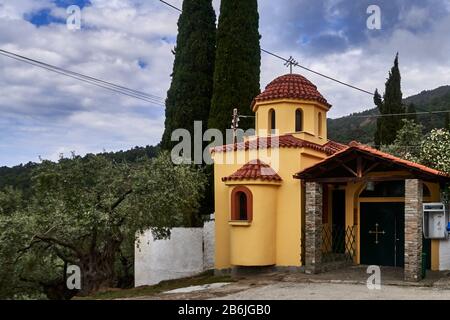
(379, 154)
(254, 170)
(291, 86)
(284, 141)
(395, 159)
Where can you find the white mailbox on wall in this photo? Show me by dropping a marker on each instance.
(434, 221)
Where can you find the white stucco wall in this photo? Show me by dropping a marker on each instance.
(208, 245)
(177, 257)
(444, 254)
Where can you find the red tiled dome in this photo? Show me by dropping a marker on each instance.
(291, 86)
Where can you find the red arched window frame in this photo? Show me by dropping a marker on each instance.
(236, 195)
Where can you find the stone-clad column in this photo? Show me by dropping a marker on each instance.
(313, 227)
(413, 229)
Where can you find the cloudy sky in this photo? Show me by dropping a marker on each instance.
(129, 42)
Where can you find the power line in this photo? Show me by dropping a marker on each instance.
(296, 64)
(293, 62)
(171, 5)
(84, 78)
(87, 79)
(397, 114)
(152, 98)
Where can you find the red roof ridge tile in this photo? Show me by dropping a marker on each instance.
(254, 170)
(282, 141)
(386, 156)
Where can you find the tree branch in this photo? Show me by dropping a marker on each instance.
(59, 242)
(120, 200)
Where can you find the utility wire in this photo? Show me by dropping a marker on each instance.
(87, 79)
(396, 114)
(296, 64)
(152, 98)
(171, 5)
(40, 63)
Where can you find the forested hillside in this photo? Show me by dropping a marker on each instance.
(19, 176)
(354, 127)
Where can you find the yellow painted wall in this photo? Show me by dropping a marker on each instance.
(435, 197)
(254, 244)
(273, 237)
(285, 118)
(289, 207)
(285, 230)
(287, 197)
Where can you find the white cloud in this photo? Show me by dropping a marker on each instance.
(46, 114)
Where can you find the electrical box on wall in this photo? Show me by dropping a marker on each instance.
(434, 221)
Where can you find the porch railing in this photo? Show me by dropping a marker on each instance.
(338, 243)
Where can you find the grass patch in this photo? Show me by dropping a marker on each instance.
(206, 277)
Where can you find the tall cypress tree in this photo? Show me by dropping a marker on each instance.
(378, 101)
(238, 62)
(190, 93)
(388, 126)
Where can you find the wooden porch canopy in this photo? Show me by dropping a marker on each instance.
(354, 164)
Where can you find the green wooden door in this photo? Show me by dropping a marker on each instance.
(382, 234)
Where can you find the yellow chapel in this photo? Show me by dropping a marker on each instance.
(290, 198)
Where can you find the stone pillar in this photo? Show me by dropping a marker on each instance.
(413, 229)
(313, 227)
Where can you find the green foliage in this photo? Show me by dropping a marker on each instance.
(432, 150)
(407, 143)
(190, 93)
(391, 103)
(238, 62)
(435, 150)
(19, 177)
(411, 109)
(87, 211)
(348, 128)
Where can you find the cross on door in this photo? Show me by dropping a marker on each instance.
(376, 233)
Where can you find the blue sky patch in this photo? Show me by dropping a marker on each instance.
(142, 64)
(66, 3)
(43, 18)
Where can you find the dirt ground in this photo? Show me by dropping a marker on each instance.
(349, 283)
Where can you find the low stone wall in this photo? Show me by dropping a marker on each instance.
(189, 251)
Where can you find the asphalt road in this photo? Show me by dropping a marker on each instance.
(336, 291)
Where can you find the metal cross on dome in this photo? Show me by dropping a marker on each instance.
(291, 62)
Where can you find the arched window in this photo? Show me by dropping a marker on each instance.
(320, 124)
(298, 120)
(272, 121)
(241, 204)
(243, 214)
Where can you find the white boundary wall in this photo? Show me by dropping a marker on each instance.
(444, 254)
(189, 251)
(208, 245)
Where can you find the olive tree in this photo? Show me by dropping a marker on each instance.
(82, 212)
